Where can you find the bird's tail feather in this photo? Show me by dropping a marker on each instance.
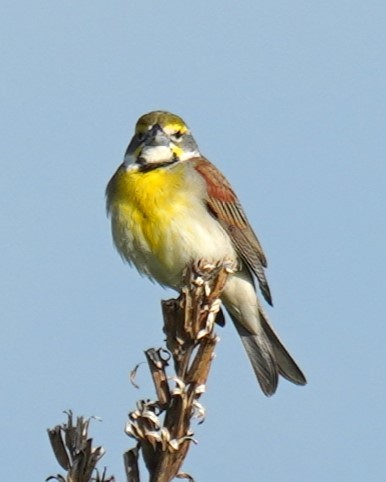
(287, 366)
(268, 356)
(262, 358)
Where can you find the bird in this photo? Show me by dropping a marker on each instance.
(170, 206)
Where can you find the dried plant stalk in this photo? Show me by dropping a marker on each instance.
(190, 340)
(74, 452)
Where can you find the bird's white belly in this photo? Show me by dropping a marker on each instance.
(191, 234)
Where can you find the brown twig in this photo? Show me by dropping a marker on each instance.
(190, 340)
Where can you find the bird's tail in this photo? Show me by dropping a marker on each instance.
(287, 366)
(268, 356)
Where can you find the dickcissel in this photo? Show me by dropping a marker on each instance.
(170, 206)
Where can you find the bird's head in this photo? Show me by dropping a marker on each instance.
(160, 139)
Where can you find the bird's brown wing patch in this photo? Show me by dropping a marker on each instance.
(225, 206)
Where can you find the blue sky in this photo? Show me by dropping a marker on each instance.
(289, 100)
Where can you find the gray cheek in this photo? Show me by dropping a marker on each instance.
(189, 144)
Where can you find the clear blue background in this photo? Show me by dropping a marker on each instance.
(288, 98)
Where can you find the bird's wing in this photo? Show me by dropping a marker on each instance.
(225, 206)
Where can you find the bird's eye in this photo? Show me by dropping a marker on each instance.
(178, 135)
(140, 136)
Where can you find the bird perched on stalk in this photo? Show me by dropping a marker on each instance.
(170, 206)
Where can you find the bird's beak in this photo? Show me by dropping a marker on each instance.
(155, 137)
(154, 147)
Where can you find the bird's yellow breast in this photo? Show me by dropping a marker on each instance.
(148, 201)
(150, 214)
(160, 221)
